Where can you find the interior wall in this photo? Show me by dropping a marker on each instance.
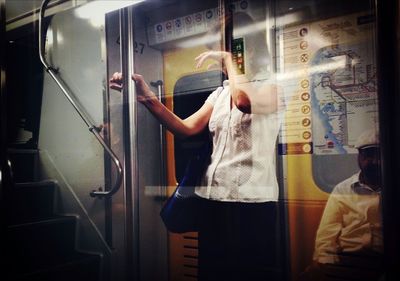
(75, 48)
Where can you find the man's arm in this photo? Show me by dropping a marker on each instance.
(326, 242)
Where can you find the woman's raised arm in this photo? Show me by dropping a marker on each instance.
(192, 125)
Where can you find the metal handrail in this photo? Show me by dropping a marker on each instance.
(159, 85)
(92, 128)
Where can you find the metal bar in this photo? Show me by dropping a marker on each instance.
(131, 190)
(92, 128)
(163, 178)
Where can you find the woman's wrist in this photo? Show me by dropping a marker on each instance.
(149, 100)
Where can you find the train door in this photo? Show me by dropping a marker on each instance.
(163, 38)
(161, 42)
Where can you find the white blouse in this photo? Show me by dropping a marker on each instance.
(242, 167)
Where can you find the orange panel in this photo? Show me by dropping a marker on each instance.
(304, 217)
(306, 203)
(182, 248)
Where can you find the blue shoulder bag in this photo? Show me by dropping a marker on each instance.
(181, 211)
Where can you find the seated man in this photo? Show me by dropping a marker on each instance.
(349, 242)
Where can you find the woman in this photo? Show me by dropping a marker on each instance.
(237, 231)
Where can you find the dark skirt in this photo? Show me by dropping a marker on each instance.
(240, 241)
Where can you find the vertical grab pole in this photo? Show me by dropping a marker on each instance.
(131, 192)
(163, 177)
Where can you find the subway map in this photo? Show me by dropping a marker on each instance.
(343, 95)
(329, 79)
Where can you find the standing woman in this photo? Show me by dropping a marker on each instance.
(238, 217)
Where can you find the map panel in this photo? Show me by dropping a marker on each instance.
(329, 79)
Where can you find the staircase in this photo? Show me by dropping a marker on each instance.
(41, 244)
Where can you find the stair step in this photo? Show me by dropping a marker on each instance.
(80, 266)
(32, 245)
(24, 163)
(41, 245)
(31, 201)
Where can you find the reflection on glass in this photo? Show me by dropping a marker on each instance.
(236, 231)
(349, 243)
(310, 80)
(236, 199)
